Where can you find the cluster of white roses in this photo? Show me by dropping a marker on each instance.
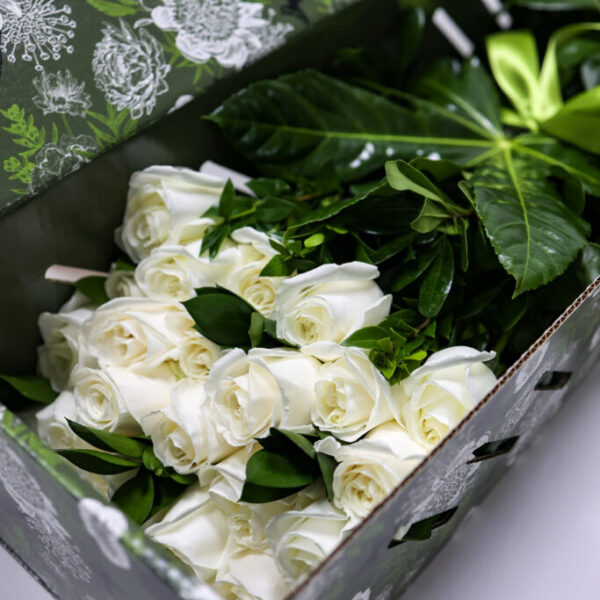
(137, 365)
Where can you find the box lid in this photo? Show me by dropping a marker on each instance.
(79, 77)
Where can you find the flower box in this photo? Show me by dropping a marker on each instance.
(80, 548)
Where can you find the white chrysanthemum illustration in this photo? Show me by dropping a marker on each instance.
(35, 30)
(271, 37)
(230, 31)
(54, 161)
(130, 68)
(61, 93)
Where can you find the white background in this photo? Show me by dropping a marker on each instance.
(536, 536)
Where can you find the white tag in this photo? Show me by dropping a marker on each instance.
(64, 274)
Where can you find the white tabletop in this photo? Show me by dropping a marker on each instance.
(535, 536)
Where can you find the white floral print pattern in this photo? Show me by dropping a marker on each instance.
(35, 30)
(56, 544)
(57, 160)
(61, 93)
(130, 68)
(230, 31)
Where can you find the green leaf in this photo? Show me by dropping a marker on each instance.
(287, 442)
(136, 497)
(214, 236)
(437, 281)
(367, 337)
(122, 264)
(402, 176)
(228, 200)
(31, 387)
(151, 462)
(273, 210)
(109, 441)
(304, 120)
(412, 270)
(327, 464)
(93, 288)
(532, 231)
(430, 217)
(116, 8)
(314, 240)
(166, 493)
(268, 469)
(221, 316)
(257, 327)
(277, 267)
(258, 494)
(264, 187)
(95, 461)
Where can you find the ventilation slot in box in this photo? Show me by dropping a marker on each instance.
(422, 530)
(493, 449)
(553, 380)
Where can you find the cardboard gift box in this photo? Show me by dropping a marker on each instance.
(54, 523)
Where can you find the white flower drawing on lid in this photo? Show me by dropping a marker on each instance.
(61, 93)
(130, 68)
(230, 31)
(57, 160)
(35, 30)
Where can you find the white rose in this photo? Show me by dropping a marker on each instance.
(370, 469)
(163, 199)
(352, 396)
(250, 574)
(198, 355)
(266, 388)
(196, 530)
(52, 426)
(247, 522)
(440, 393)
(182, 434)
(116, 399)
(329, 303)
(121, 284)
(301, 539)
(173, 272)
(253, 253)
(137, 333)
(64, 345)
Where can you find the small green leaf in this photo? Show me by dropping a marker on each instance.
(412, 270)
(109, 441)
(268, 469)
(136, 496)
(327, 464)
(151, 462)
(228, 200)
(273, 210)
(166, 493)
(367, 337)
(286, 442)
(264, 187)
(314, 240)
(276, 267)
(31, 387)
(437, 282)
(95, 461)
(93, 288)
(255, 332)
(221, 316)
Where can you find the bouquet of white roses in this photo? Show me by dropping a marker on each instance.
(269, 360)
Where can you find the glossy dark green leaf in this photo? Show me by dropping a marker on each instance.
(151, 462)
(437, 281)
(327, 464)
(214, 236)
(414, 269)
(32, 387)
(273, 210)
(386, 250)
(109, 441)
(268, 469)
(136, 497)
(228, 200)
(221, 316)
(263, 187)
(166, 493)
(95, 461)
(93, 288)
(534, 234)
(430, 217)
(286, 442)
(257, 494)
(304, 120)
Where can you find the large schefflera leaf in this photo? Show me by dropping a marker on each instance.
(533, 232)
(306, 120)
